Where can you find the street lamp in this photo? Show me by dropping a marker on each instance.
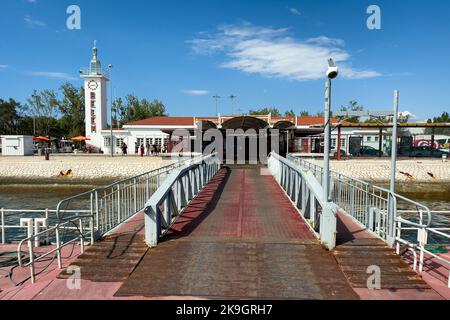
(232, 97)
(217, 97)
(111, 112)
(332, 73)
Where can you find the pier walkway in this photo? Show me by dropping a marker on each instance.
(241, 237)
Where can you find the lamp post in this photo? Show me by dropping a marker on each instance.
(232, 97)
(111, 112)
(332, 73)
(216, 97)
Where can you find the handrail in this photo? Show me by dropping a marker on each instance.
(175, 194)
(307, 194)
(394, 196)
(423, 228)
(124, 196)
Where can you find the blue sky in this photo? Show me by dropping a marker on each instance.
(267, 53)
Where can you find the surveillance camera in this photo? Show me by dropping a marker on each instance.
(333, 70)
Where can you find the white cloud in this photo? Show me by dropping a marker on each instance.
(408, 114)
(274, 53)
(3, 66)
(31, 22)
(195, 92)
(52, 75)
(295, 11)
(32, 1)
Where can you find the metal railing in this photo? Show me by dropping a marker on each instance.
(378, 210)
(175, 194)
(95, 213)
(10, 219)
(307, 194)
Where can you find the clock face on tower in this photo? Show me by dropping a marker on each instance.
(93, 85)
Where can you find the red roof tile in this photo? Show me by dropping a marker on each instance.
(164, 121)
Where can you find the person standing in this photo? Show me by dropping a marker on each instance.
(142, 150)
(136, 148)
(147, 149)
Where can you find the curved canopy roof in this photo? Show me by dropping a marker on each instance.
(245, 123)
(284, 124)
(206, 124)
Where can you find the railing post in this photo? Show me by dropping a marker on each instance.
(3, 225)
(119, 218)
(328, 225)
(58, 247)
(152, 225)
(135, 194)
(32, 267)
(81, 236)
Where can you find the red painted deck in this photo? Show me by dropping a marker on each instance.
(240, 238)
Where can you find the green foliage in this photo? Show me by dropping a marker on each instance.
(352, 106)
(45, 113)
(9, 118)
(444, 118)
(304, 114)
(265, 111)
(290, 113)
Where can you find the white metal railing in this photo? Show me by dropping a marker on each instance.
(175, 194)
(377, 209)
(10, 219)
(307, 194)
(93, 214)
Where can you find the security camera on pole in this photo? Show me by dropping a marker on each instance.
(332, 73)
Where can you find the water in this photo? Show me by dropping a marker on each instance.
(47, 196)
(35, 197)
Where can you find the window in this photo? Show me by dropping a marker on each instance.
(140, 141)
(148, 141)
(158, 141)
(119, 142)
(333, 143)
(107, 141)
(343, 142)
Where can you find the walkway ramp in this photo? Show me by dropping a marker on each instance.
(242, 238)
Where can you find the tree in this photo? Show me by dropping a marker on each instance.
(304, 114)
(44, 107)
(72, 109)
(443, 118)
(290, 113)
(265, 111)
(135, 110)
(9, 118)
(352, 106)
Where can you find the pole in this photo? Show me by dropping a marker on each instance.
(339, 144)
(392, 207)
(394, 142)
(111, 112)
(326, 156)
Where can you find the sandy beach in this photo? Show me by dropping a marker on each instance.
(379, 170)
(81, 169)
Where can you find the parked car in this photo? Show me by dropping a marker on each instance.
(427, 152)
(368, 151)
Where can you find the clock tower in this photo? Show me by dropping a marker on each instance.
(95, 80)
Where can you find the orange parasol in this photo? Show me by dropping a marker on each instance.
(40, 138)
(80, 139)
